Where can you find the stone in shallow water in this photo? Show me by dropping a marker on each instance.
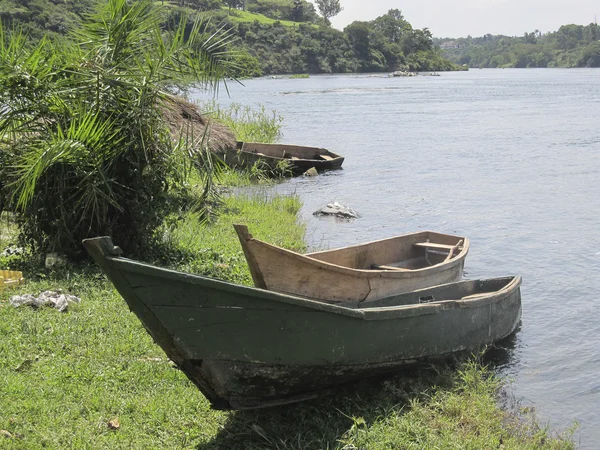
(338, 210)
(312, 172)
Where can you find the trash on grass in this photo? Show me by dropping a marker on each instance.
(55, 299)
(54, 259)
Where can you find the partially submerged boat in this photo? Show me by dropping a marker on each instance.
(363, 272)
(297, 159)
(249, 348)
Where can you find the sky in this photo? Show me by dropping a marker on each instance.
(459, 18)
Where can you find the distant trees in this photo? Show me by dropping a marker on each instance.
(530, 38)
(234, 4)
(294, 10)
(329, 8)
(392, 25)
(39, 18)
(570, 46)
(297, 11)
(387, 43)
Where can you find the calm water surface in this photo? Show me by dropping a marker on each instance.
(509, 158)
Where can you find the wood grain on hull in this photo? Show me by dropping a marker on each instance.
(345, 275)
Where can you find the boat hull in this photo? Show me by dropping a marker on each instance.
(298, 159)
(249, 348)
(345, 275)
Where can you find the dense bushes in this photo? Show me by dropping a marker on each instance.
(376, 46)
(39, 18)
(81, 124)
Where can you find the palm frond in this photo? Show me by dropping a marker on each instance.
(83, 123)
(82, 141)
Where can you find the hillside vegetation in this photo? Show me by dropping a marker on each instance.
(273, 36)
(570, 46)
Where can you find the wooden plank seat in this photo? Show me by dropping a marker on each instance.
(453, 249)
(437, 252)
(434, 246)
(387, 267)
(326, 157)
(478, 294)
(437, 249)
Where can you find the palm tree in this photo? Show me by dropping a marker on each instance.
(82, 123)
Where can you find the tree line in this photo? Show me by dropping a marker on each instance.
(385, 44)
(569, 46)
(300, 40)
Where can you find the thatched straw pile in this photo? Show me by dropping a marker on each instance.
(184, 120)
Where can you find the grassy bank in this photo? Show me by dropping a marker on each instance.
(93, 378)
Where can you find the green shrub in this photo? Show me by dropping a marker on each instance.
(81, 123)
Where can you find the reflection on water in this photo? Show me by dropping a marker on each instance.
(509, 158)
(502, 354)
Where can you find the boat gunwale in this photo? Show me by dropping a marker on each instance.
(143, 268)
(375, 313)
(336, 156)
(482, 299)
(370, 273)
(335, 159)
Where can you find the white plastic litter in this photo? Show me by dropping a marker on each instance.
(337, 210)
(55, 299)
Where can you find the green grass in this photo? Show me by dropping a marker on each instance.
(300, 75)
(464, 414)
(215, 250)
(93, 378)
(244, 178)
(245, 16)
(248, 124)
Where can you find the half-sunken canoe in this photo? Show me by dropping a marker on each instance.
(362, 272)
(249, 348)
(298, 158)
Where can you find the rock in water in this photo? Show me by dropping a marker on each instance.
(312, 172)
(337, 210)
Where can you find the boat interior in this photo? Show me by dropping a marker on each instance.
(462, 290)
(410, 252)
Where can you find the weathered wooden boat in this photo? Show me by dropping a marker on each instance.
(249, 348)
(298, 159)
(363, 272)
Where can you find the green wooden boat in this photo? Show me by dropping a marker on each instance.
(249, 348)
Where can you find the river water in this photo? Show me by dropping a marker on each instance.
(508, 158)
